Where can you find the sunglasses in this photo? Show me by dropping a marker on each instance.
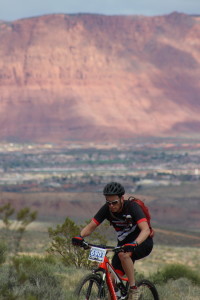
(112, 202)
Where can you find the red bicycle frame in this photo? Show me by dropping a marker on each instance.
(105, 265)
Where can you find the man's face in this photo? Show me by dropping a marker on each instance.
(115, 203)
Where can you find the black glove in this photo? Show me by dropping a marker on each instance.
(78, 241)
(130, 246)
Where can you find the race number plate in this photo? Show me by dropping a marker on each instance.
(97, 254)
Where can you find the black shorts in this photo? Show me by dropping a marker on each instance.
(139, 252)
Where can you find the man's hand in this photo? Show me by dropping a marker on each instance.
(130, 246)
(78, 241)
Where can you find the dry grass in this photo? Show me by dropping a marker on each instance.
(180, 289)
(162, 255)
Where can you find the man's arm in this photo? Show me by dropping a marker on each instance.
(88, 229)
(145, 232)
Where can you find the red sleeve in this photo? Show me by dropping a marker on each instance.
(142, 220)
(95, 221)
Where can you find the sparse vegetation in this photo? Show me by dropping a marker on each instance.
(15, 225)
(37, 278)
(176, 271)
(179, 289)
(49, 280)
(55, 276)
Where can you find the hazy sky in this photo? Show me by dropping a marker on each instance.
(17, 9)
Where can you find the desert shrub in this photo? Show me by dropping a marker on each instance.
(176, 271)
(181, 288)
(10, 289)
(32, 277)
(37, 270)
(61, 244)
(15, 224)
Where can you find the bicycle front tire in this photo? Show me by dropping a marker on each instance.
(90, 288)
(147, 290)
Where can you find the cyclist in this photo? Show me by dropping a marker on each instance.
(133, 232)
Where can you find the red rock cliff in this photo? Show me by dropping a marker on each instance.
(92, 76)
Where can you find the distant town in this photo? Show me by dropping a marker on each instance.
(87, 166)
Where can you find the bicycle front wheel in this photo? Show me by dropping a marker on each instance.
(90, 288)
(147, 290)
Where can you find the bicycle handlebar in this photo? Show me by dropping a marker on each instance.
(87, 245)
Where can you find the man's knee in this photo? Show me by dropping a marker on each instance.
(123, 256)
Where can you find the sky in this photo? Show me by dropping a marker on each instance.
(11, 10)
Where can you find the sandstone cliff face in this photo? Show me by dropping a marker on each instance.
(69, 77)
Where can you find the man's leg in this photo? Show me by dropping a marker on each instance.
(128, 266)
(124, 263)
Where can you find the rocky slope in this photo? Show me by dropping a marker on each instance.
(167, 218)
(75, 77)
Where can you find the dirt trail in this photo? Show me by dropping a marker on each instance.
(168, 232)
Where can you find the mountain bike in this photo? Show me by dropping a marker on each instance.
(99, 283)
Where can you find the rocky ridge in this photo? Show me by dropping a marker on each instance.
(85, 77)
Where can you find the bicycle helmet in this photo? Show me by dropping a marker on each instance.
(113, 188)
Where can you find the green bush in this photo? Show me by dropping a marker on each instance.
(15, 224)
(61, 244)
(176, 271)
(32, 278)
(181, 288)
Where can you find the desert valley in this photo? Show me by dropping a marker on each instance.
(87, 99)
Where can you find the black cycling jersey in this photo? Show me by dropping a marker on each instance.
(125, 222)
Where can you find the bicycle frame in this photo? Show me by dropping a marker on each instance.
(111, 278)
(108, 269)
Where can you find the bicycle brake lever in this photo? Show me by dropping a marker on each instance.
(85, 245)
(119, 249)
